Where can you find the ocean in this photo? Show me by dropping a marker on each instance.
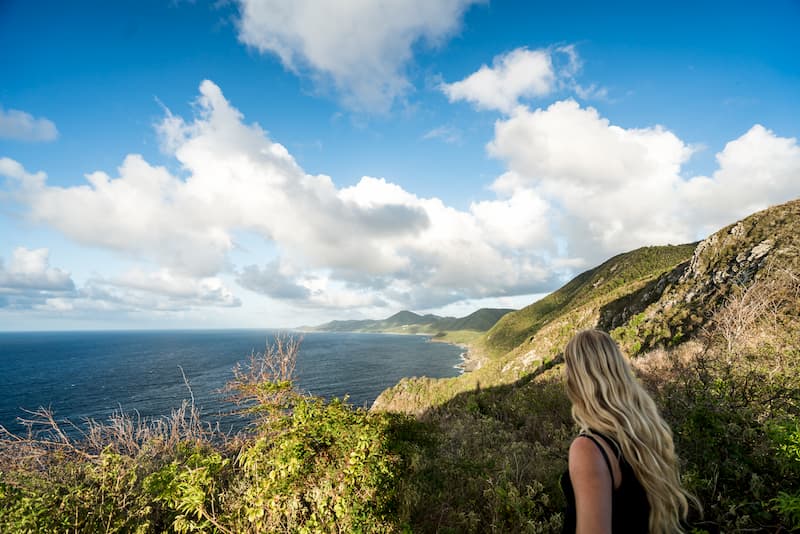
(83, 375)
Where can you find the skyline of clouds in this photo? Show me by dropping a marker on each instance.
(368, 156)
(343, 245)
(576, 190)
(613, 189)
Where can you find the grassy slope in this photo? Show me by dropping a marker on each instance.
(500, 449)
(618, 275)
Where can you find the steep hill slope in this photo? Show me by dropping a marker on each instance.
(762, 246)
(619, 275)
(654, 296)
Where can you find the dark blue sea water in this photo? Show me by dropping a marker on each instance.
(93, 374)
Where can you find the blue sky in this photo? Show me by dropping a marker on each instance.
(272, 163)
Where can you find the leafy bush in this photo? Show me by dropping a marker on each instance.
(733, 402)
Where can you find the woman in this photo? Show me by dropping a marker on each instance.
(623, 472)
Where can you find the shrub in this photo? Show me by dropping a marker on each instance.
(733, 401)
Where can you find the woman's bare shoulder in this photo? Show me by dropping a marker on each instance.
(586, 460)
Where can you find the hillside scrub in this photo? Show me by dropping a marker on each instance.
(618, 273)
(733, 400)
(538, 333)
(731, 397)
(648, 298)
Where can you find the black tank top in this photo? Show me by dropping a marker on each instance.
(630, 510)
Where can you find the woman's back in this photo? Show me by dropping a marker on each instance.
(630, 510)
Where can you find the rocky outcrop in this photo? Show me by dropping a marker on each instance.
(617, 313)
(726, 262)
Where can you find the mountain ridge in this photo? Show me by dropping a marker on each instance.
(408, 322)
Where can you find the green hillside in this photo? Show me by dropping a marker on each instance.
(717, 335)
(523, 340)
(478, 321)
(407, 322)
(761, 247)
(619, 275)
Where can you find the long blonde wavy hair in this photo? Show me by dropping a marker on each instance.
(606, 397)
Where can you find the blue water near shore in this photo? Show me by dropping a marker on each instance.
(93, 374)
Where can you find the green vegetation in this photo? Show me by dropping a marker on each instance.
(524, 340)
(728, 260)
(617, 276)
(648, 298)
(733, 401)
(486, 460)
(730, 394)
(458, 337)
(406, 322)
(718, 345)
(304, 466)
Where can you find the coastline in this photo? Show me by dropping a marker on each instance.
(470, 359)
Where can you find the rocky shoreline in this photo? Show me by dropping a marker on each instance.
(471, 360)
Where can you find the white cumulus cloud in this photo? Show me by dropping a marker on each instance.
(522, 74)
(335, 245)
(27, 279)
(517, 74)
(160, 290)
(755, 171)
(29, 269)
(610, 189)
(576, 189)
(22, 126)
(362, 47)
